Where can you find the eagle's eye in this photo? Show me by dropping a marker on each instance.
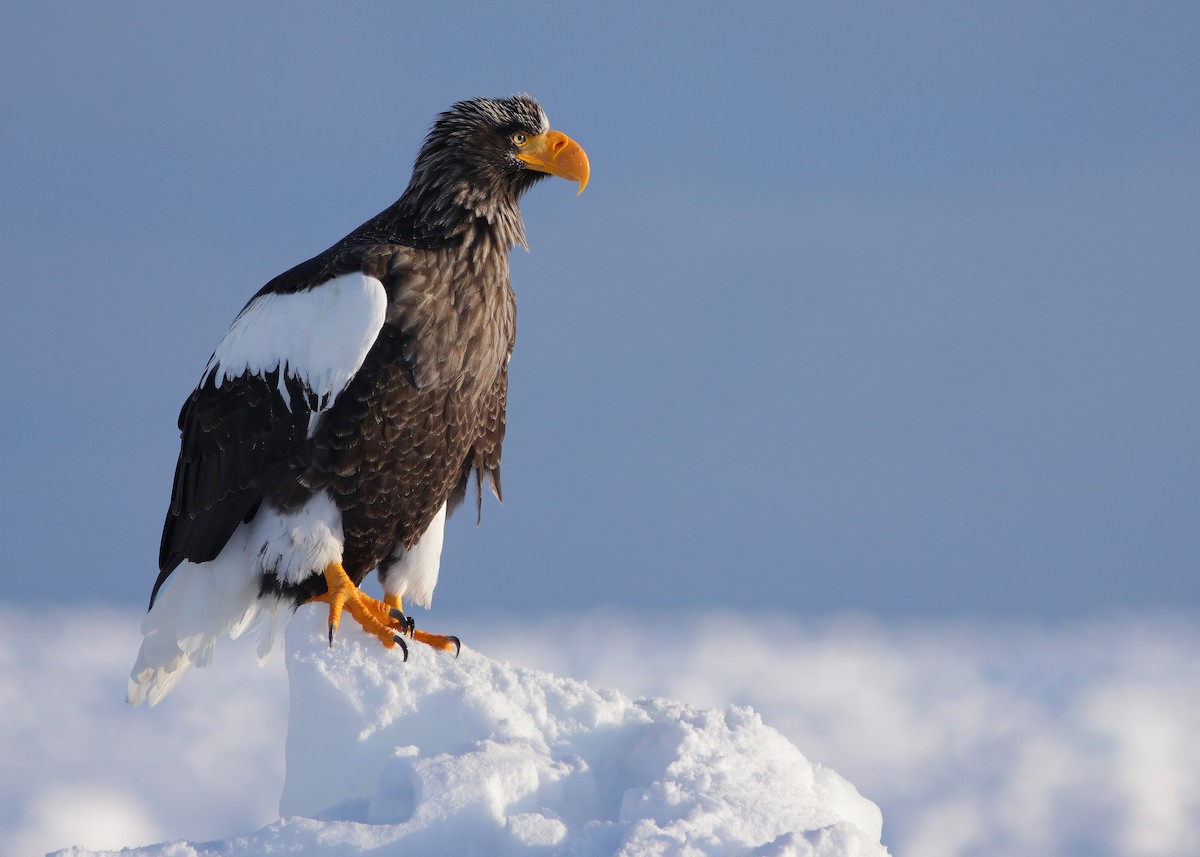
(519, 139)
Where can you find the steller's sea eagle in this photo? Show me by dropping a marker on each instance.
(342, 416)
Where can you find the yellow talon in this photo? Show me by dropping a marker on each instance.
(437, 641)
(375, 617)
(372, 615)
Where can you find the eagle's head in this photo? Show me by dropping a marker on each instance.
(481, 155)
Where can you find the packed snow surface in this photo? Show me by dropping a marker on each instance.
(975, 738)
(473, 756)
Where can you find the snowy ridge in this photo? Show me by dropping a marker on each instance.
(474, 756)
(976, 739)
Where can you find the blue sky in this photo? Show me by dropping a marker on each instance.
(865, 308)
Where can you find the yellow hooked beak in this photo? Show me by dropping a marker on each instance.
(557, 154)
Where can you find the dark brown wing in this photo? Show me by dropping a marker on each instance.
(236, 438)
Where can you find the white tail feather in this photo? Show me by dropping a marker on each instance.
(200, 603)
(203, 602)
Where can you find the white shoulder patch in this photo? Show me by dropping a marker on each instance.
(320, 336)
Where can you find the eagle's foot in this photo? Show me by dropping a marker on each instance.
(437, 641)
(374, 616)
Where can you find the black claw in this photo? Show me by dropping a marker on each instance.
(331, 635)
(457, 646)
(396, 638)
(407, 625)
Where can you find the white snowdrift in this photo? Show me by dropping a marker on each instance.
(473, 756)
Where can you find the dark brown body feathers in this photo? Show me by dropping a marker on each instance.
(426, 409)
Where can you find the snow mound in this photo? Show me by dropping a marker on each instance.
(474, 756)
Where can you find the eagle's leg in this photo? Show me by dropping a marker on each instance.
(436, 640)
(374, 616)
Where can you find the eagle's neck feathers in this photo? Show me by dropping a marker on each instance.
(450, 206)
